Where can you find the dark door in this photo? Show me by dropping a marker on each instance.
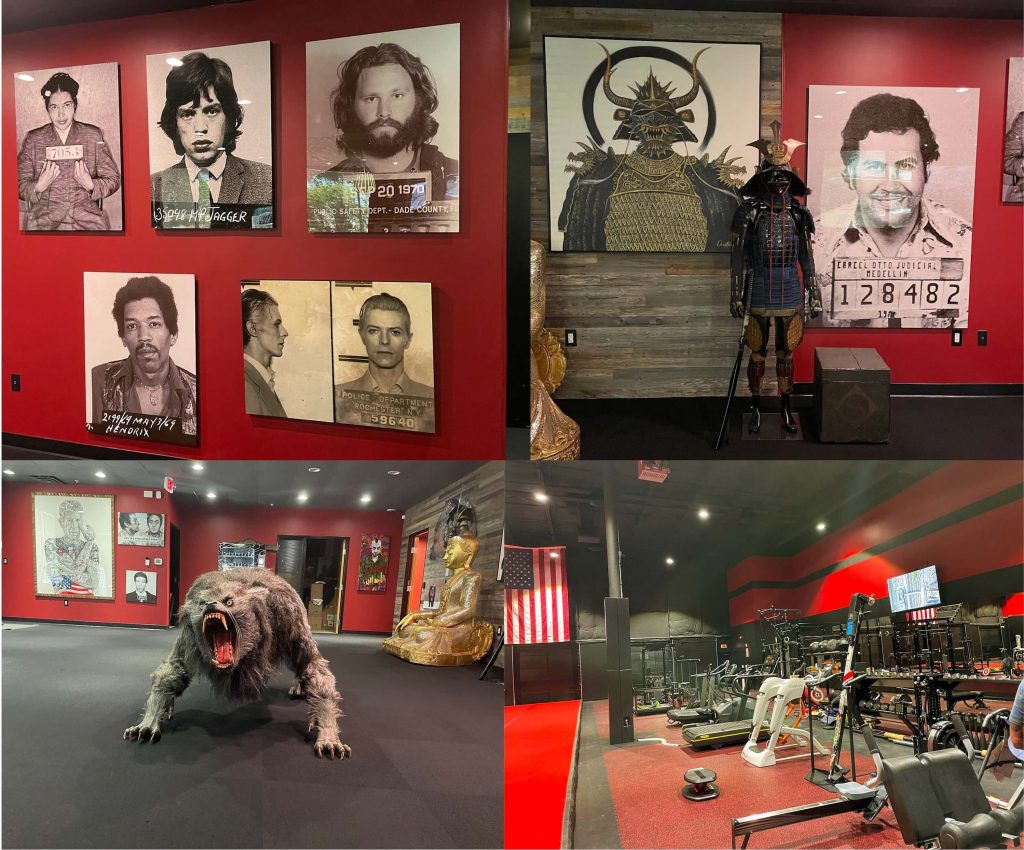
(174, 574)
(291, 560)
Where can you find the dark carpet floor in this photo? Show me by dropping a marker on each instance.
(628, 796)
(922, 428)
(426, 769)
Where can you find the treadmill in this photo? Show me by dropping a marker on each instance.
(723, 734)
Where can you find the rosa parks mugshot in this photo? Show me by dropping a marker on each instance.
(140, 356)
(383, 355)
(895, 171)
(210, 144)
(383, 132)
(69, 148)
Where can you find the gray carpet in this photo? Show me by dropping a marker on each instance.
(426, 768)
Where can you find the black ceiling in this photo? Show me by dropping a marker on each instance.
(20, 15)
(339, 485)
(886, 8)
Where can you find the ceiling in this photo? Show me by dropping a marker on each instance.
(338, 486)
(21, 15)
(885, 8)
(764, 508)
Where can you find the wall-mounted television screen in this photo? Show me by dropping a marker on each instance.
(919, 589)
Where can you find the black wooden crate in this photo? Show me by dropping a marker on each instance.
(851, 395)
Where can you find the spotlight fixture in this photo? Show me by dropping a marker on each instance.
(821, 526)
(303, 496)
(100, 473)
(670, 561)
(211, 495)
(541, 496)
(366, 498)
(198, 467)
(314, 469)
(392, 510)
(704, 513)
(175, 62)
(8, 472)
(394, 472)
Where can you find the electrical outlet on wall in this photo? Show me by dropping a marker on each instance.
(15, 383)
(982, 337)
(570, 337)
(958, 337)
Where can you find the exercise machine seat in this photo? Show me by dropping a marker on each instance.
(926, 789)
(985, 830)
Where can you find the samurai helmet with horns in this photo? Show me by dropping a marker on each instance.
(774, 167)
(653, 117)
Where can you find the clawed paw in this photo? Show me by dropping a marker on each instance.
(296, 689)
(142, 733)
(332, 748)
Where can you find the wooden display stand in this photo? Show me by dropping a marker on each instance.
(851, 395)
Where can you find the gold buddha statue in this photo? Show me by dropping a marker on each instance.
(553, 435)
(450, 635)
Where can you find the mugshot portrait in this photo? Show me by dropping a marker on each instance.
(1013, 145)
(139, 529)
(894, 175)
(74, 545)
(68, 129)
(140, 356)
(382, 123)
(210, 141)
(140, 587)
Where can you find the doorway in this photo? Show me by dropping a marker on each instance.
(415, 564)
(315, 567)
(173, 574)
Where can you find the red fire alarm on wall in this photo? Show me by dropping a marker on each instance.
(169, 485)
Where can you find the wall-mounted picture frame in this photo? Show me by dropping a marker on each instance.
(374, 555)
(382, 124)
(141, 587)
(1013, 145)
(349, 352)
(140, 529)
(210, 139)
(140, 357)
(647, 141)
(73, 536)
(68, 132)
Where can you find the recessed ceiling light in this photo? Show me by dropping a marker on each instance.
(554, 554)
(198, 467)
(821, 526)
(365, 498)
(28, 78)
(704, 513)
(302, 497)
(392, 510)
(670, 561)
(314, 469)
(211, 495)
(100, 473)
(394, 472)
(175, 62)
(540, 497)
(271, 504)
(8, 472)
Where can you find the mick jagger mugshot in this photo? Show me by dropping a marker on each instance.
(385, 391)
(65, 168)
(383, 109)
(209, 186)
(888, 149)
(147, 383)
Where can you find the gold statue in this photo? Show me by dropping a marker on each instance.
(553, 435)
(451, 635)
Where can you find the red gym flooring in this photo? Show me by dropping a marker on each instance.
(628, 796)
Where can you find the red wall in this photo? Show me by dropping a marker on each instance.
(19, 599)
(467, 269)
(965, 546)
(202, 530)
(864, 51)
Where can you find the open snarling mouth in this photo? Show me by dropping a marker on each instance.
(222, 638)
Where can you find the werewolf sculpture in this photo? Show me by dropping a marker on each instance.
(235, 628)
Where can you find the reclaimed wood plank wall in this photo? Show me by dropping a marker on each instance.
(648, 325)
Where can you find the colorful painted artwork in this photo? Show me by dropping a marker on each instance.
(373, 563)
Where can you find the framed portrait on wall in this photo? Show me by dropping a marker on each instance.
(210, 140)
(648, 141)
(68, 128)
(1013, 145)
(893, 171)
(139, 529)
(350, 352)
(140, 356)
(140, 587)
(374, 552)
(382, 124)
(73, 538)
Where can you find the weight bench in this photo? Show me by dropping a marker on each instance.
(936, 797)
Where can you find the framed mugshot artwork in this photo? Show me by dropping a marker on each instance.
(350, 352)
(140, 587)
(73, 538)
(139, 529)
(648, 141)
(210, 140)
(1013, 145)
(893, 171)
(140, 356)
(68, 128)
(382, 113)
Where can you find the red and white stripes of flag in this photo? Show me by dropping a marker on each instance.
(540, 614)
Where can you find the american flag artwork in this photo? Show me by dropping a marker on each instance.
(537, 611)
(921, 614)
(66, 587)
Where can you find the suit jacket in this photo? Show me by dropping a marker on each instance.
(260, 399)
(134, 597)
(65, 202)
(243, 182)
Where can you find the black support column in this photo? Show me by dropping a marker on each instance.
(616, 628)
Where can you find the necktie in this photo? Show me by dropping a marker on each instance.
(203, 203)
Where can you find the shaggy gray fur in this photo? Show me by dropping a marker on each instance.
(271, 627)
